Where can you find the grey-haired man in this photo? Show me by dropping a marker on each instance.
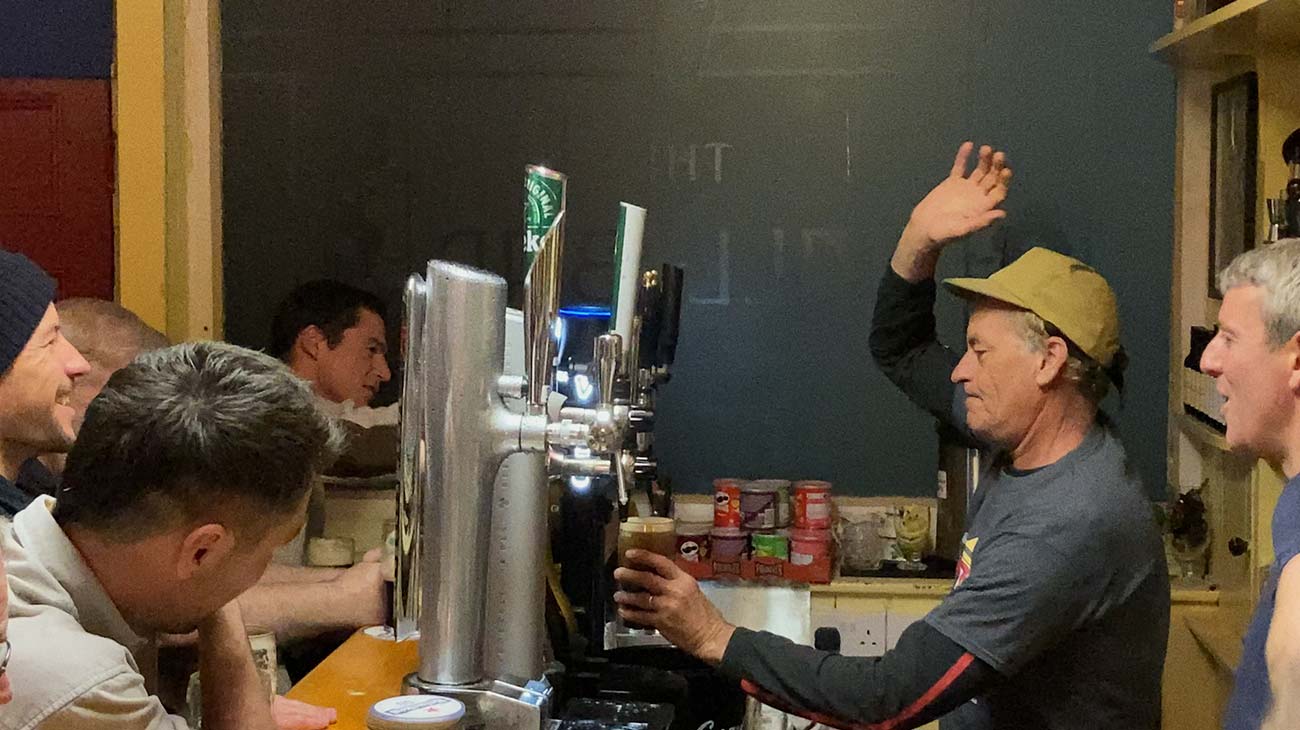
(1255, 359)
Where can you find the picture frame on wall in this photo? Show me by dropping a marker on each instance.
(1234, 125)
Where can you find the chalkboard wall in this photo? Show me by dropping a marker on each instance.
(778, 146)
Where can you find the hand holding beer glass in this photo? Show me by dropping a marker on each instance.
(652, 534)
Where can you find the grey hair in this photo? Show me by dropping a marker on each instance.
(105, 332)
(1087, 374)
(1274, 268)
(196, 431)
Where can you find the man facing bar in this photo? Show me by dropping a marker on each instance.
(192, 466)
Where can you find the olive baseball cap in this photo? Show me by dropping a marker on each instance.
(1064, 291)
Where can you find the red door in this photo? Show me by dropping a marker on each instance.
(56, 179)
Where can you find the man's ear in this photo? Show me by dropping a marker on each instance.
(1292, 349)
(204, 550)
(311, 340)
(1055, 354)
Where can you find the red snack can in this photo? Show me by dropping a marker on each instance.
(726, 502)
(812, 505)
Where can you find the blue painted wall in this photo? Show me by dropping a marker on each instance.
(56, 38)
(363, 139)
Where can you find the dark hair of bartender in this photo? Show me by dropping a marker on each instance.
(332, 306)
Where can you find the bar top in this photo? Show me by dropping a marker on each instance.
(366, 669)
(358, 674)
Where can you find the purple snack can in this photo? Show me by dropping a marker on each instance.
(758, 507)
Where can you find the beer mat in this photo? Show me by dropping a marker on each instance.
(386, 633)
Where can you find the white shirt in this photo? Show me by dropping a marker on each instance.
(75, 663)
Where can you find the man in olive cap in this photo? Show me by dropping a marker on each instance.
(1060, 614)
(37, 370)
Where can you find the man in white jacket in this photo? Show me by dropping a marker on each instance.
(191, 467)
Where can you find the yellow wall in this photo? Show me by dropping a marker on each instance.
(138, 95)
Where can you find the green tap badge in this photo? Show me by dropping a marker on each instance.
(543, 203)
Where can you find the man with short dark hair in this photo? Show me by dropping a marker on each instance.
(332, 335)
(191, 467)
(38, 371)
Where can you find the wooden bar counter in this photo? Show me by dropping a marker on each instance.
(358, 674)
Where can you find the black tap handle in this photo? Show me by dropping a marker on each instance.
(649, 306)
(670, 287)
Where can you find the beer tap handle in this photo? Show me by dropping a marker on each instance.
(670, 315)
(648, 302)
(606, 434)
(608, 352)
(621, 476)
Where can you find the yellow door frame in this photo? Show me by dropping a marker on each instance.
(167, 118)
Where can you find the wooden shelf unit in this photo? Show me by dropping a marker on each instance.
(1263, 37)
(1240, 28)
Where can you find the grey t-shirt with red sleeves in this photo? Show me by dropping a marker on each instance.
(1063, 586)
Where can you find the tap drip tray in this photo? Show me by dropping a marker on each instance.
(648, 688)
(594, 714)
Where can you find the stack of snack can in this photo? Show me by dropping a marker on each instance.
(694, 522)
(726, 502)
(727, 540)
(752, 519)
(813, 510)
(812, 505)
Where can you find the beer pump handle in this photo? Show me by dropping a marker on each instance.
(648, 308)
(670, 298)
(609, 354)
(660, 307)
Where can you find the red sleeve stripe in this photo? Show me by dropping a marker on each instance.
(911, 711)
(930, 695)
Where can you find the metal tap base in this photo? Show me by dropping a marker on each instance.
(618, 636)
(493, 705)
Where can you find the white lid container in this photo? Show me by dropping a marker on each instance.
(415, 712)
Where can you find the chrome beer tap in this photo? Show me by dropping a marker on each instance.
(480, 439)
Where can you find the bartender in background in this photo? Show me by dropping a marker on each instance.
(333, 336)
(1060, 613)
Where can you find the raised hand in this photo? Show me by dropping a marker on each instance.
(964, 203)
(960, 205)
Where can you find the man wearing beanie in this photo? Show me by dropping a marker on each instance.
(1060, 612)
(38, 367)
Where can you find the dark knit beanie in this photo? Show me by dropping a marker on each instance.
(25, 294)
